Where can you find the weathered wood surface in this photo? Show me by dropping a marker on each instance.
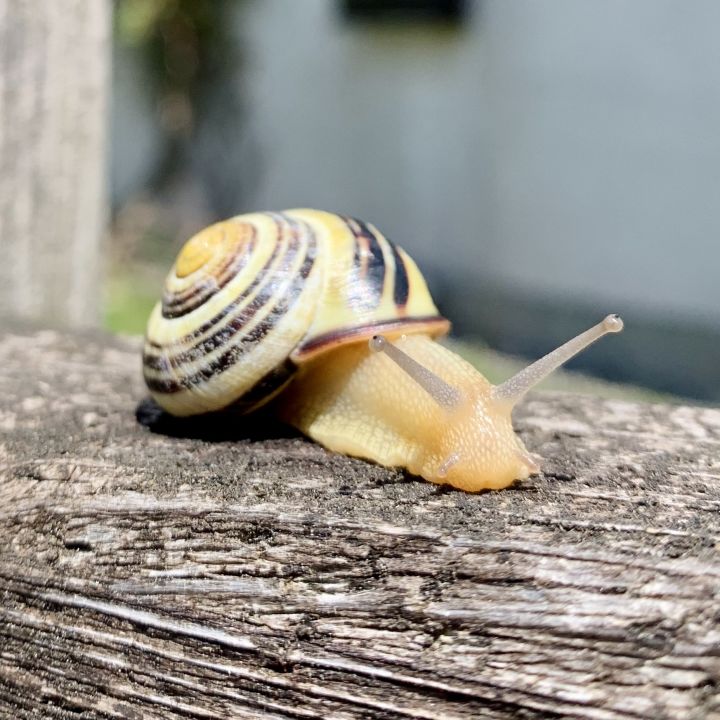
(201, 570)
(54, 87)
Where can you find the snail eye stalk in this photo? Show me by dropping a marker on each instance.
(444, 394)
(513, 390)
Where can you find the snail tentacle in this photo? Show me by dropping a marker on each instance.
(443, 393)
(513, 390)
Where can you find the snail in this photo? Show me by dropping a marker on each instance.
(334, 323)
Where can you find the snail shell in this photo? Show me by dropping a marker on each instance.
(251, 299)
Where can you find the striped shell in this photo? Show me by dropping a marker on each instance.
(252, 298)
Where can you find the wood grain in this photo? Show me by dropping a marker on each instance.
(215, 568)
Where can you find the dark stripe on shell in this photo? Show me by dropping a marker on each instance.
(177, 305)
(265, 388)
(369, 260)
(173, 383)
(215, 340)
(401, 289)
(225, 333)
(231, 356)
(434, 324)
(216, 319)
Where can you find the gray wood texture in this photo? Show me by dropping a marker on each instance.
(153, 568)
(54, 86)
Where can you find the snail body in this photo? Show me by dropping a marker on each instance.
(325, 316)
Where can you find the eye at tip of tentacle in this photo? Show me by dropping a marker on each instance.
(377, 343)
(613, 323)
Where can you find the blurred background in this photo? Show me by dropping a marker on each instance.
(545, 162)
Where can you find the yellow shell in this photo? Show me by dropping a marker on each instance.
(252, 298)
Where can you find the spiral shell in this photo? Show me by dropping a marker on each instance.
(252, 298)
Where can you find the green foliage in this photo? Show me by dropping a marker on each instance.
(185, 43)
(135, 20)
(128, 302)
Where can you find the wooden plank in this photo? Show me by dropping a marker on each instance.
(230, 568)
(54, 89)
